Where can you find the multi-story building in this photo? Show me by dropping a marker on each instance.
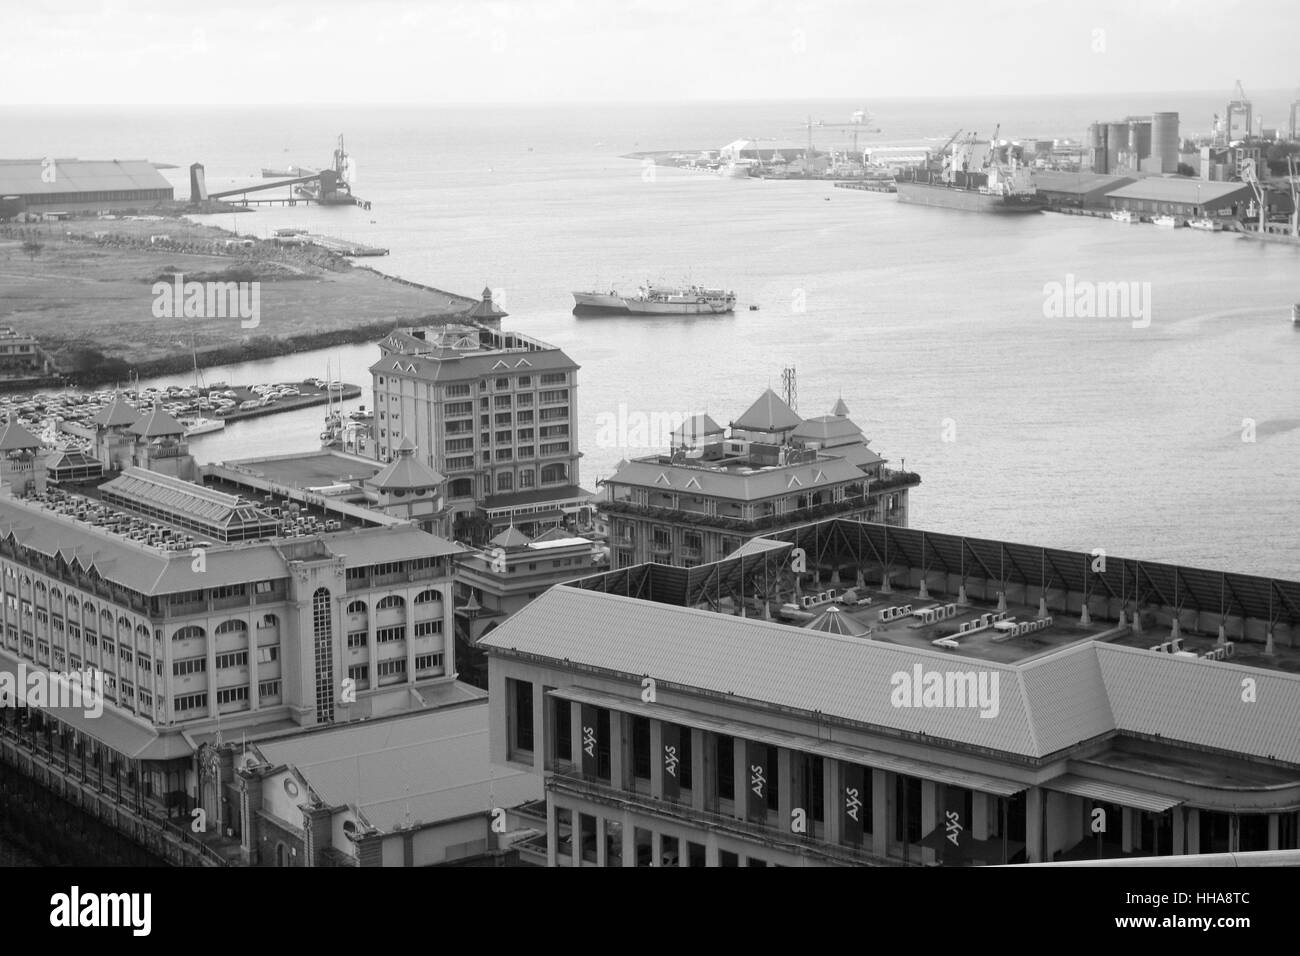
(22, 359)
(712, 492)
(495, 412)
(208, 615)
(969, 702)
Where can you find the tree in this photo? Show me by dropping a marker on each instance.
(32, 248)
(1185, 170)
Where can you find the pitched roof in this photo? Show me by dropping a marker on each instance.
(116, 413)
(16, 438)
(828, 428)
(840, 410)
(23, 177)
(695, 428)
(511, 537)
(156, 423)
(743, 484)
(1047, 703)
(1164, 189)
(406, 471)
(768, 414)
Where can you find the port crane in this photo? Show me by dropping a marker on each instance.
(860, 121)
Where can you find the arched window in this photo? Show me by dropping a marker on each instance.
(88, 607)
(142, 632)
(269, 620)
(107, 617)
(393, 600)
(225, 627)
(124, 622)
(554, 473)
(189, 632)
(40, 587)
(56, 594)
(357, 607)
(428, 597)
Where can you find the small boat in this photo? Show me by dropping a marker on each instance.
(1207, 225)
(202, 426)
(1126, 216)
(1164, 222)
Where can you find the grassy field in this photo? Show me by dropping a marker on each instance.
(97, 293)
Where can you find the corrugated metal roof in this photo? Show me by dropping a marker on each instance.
(430, 766)
(1162, 189)
(847, 677)
(23, 177)
(1112, 793)
(1045, 705)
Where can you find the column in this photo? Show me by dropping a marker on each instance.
(656, 759)
(1193, 831)
(408, 628)
(552, 834)
(785, 803)
(1034, 804)
(880, 813)
(711, 850)
(1179, 817)
(979, 811)
(539, 722)
(620, 758)
(575, 735)
(929, 815)
(602, 851)
(702, 765)
(372, 645)
(1128, 826)
(629, 840)
(656, 848)
(831, 799)
(740, 770)
(1273, 831)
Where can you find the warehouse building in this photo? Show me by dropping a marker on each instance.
(963, 702)
(41, 185)
(1082, 190)
(1183, 197)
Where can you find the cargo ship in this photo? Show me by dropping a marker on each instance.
(658, 300)
(973, 179)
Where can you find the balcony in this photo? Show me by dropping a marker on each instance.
(890, 479)
(766, 523)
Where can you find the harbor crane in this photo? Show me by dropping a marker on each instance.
(860, 120)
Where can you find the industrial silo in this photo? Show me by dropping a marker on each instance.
(1096, 147)
(1164, 141)
(1116, 143)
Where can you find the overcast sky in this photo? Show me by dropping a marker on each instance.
(449, 51)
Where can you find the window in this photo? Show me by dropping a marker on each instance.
(189, 633)
(504, 454)
(425, 628)
(268, 688)
(231, 627)
(525, 434)
(526, 451)
(503, 384)
(128, 658)
(395, 666)
(505, 480)
(388, 635)
(526, 478)
(357, 607)
(190, 702)
(520, 717)
(555, 378)
(459, 444)
(268, 654)
(425, 662)
(501, 401)
(190, 665)
(428, 597)
(556, 448)
(263, 587)
(357, 638)
(503, 437)
(228, 591)
(455, 409)
(554, 473)
(230, 695)
(393, 600)
(232, 659)
(525, 381)
(456, 391)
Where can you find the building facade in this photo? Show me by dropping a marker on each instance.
(979, 711)
(714, 491)
(495, 412)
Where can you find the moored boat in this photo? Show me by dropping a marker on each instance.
(201, 426)
(692, 300)
(1205, 224)
(1164, 222)
(599, 301)
(1126, 216)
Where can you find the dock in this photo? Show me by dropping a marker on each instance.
(310, 396)
(343, 247)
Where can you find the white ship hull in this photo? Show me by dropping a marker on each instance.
(647, 307)
(1124, 216)
(610, 302)
(202, 426)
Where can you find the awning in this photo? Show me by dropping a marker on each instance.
(1112, 793)
(800, 742)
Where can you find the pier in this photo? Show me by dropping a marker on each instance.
(869, 185)
(343, 247)
(287, 404)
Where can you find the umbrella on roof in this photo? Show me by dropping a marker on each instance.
(834, 621)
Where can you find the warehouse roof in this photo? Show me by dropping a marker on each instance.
(1166, 189)
(1044, 704)
(1055, 181)
(26, 177)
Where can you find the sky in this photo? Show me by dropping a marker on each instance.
(513, 51)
